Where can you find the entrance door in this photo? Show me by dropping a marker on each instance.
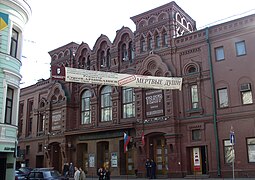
(158, 152)
(2, 167)
(103, 154)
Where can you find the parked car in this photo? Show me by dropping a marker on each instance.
(44, 173)
(19, 175)
(25, 170)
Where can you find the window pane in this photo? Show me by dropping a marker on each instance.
(194, 96)
(228, 152)
(247, 97)
(251, 149)
(223, 97)
(219, 53)
(240, 48)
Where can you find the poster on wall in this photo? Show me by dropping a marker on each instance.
(114, 160)
(154, 103)
(196, 157)
(91, 160)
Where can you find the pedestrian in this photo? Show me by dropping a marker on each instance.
(76, 173)
(101, 174)
(153, 169)
(82, 174)
(71, 170)
(65, 169)
(148, 167)
(107, 174)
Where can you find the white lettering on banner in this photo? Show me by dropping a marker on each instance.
(118, 79)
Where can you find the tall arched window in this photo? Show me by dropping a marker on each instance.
(131, 51)
(85, 107)
(124, 54)
(128, 102)
(106, 104)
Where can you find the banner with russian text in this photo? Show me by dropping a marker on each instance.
(118, 79)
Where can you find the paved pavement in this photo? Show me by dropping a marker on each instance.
(127, 178)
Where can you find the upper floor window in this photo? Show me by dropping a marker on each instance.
(131, 51)
(108, 58)
(143, 45)
(9, 106)
(219, 53)
(124, 53)
(106, 104)
(14, 43)
(41, 121)
(85, 107)
(157, 41)
(246, 93)
(164, 41)
(251, 149)
(102, 59)
(149, 43)
(194, 96)
(128, 100)
(240, 48)
(88, 63)
(223, 97)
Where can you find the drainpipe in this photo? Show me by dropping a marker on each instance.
(213, 102)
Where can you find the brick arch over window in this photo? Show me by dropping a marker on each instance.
(57, 94)
(153, 65)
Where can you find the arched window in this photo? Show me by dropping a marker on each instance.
(128, 102)
(108, 58)
(124, 54)
(142, 41)
(88, 63)
(106, 104)
(164, 38)
(149, 42)
(157, 41)
(85, 107)
(102, 59)
(131, 52)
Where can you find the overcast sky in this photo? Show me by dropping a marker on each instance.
(55, 23)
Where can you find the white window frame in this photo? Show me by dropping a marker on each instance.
(240, 48)
(223, 100)
(219, 53)
(86, 107)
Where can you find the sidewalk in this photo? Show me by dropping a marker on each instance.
(127, 178)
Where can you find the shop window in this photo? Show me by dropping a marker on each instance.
(128, 100)
(219, 53)
(86, 107)
(228, 151)
(106, 104)
(223, 97)
(240, 48)
(251, 150)
(246, 93)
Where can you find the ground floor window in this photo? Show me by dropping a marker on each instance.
(251, 149)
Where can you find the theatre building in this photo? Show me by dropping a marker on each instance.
(186, 132)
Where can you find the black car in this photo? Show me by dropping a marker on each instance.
(19, 175)
(44, 174)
